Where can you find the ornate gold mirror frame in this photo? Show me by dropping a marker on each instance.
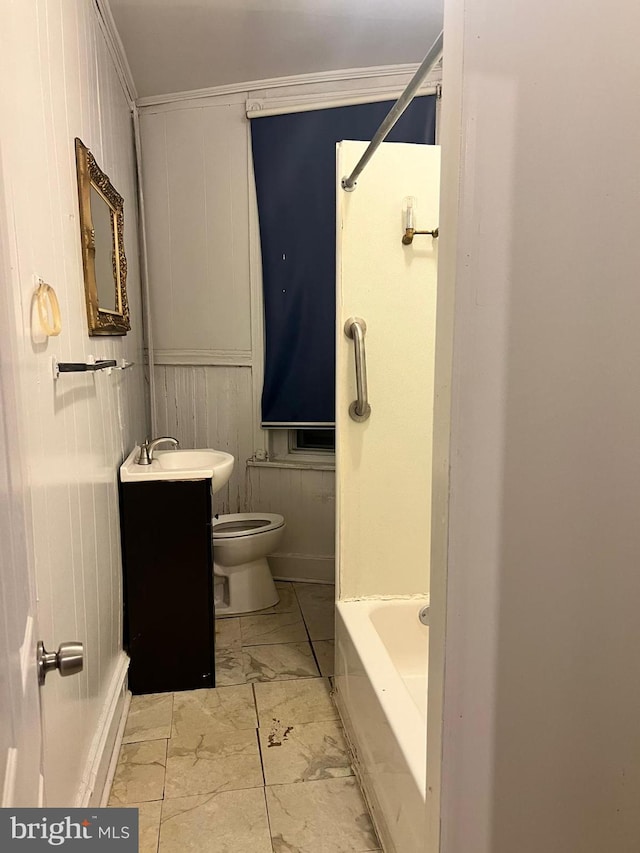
(102, 238)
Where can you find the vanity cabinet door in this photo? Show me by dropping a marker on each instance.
(168, 585)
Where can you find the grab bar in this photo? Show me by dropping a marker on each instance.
(355, 328)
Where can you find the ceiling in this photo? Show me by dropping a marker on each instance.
(181, 45)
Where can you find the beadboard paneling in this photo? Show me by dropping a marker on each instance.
(196, 196)
(77, 430)
(306, 498)
(209, 407)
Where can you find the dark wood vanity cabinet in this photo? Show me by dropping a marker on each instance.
(168, 584)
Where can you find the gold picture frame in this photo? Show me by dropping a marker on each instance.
(102, 240)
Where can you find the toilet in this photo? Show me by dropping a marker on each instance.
(241, 574)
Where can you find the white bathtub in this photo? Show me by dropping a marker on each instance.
(381, 691)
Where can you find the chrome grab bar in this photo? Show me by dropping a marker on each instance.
(355, 328)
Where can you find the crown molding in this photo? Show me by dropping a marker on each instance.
(116, 49)
(265, 107)
(406, 70)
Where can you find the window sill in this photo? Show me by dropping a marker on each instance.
(297, 465)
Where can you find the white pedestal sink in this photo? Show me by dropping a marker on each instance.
(200, 464)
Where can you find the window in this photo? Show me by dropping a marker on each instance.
(303, 446)
(294, 162)
(316, 440)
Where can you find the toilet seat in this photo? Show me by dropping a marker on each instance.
(242, 542)
(239, 524)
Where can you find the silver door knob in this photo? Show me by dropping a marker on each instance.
(68, 660)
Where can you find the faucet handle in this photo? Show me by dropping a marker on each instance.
(143, 457)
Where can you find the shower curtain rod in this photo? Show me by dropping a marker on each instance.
(428, 63)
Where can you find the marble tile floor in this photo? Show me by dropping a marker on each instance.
(292, 640)
(258, 764)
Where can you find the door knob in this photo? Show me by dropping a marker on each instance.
(68, 660)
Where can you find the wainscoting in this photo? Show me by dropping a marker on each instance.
(306, 498)
(211, 406)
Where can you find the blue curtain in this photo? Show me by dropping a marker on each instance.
(294, 161)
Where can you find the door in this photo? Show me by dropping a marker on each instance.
(20, 723)
(383, 477)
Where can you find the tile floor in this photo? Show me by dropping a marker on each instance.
(258, 764)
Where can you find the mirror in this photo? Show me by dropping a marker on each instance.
(102, 239)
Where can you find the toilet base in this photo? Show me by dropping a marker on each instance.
(248, 587)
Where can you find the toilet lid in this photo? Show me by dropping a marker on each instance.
(244, 524)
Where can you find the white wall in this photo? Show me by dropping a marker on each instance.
(204, 266)
(384, 463)
(60, 82)
(542, 696)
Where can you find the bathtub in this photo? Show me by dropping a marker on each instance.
(381, 692)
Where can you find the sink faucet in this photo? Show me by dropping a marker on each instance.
(146, 450)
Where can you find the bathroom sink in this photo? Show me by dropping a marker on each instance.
(180, 465)
(184, 460)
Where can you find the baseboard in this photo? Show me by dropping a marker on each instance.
(102, 746)
(302, 567)
(111, 770)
